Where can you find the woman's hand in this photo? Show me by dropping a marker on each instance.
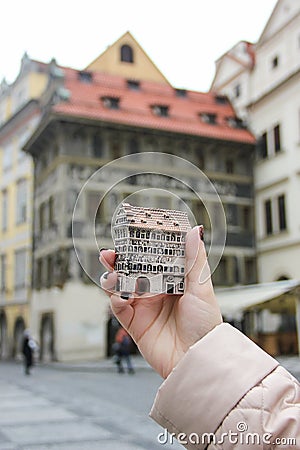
(164, 326)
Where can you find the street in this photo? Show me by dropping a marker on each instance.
(60, 409)
(83, 406)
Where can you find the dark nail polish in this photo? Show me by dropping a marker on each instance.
(103, 248)
(201, 232)
(105, 275)
(125, 295)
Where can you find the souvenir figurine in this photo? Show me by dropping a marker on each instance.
(150, 249)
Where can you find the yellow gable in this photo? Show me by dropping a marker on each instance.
(127, 58)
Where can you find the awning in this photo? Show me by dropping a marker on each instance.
(278, 296)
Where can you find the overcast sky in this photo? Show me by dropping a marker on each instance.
(183, 38)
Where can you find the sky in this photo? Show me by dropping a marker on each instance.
(183, 39)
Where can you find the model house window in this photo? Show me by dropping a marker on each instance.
(21, 205)
(4, 209)
(126, 54)
(180, 93)
(276, 133)
(2, 273)
(268, 217)
(275, 62)
(281, 212)
(20, 269)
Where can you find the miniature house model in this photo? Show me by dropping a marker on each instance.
(150, 248)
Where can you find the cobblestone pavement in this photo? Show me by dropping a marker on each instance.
(60, 409)
(83, 406)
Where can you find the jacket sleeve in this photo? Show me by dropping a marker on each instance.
(226, 391)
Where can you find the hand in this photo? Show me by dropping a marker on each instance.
(164, 326)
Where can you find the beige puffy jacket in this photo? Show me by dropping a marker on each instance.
(227, 393)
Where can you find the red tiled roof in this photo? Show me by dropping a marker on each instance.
(135, 106)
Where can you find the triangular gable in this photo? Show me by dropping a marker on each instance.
(142, 68)
(230, 65)
(282, 13)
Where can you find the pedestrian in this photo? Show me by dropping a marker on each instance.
(218, 383)
(122, 348)
(29, 347)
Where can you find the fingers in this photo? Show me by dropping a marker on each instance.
(198, 277)
(122, 309)
(108, 281)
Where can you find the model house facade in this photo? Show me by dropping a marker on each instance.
(150, 248)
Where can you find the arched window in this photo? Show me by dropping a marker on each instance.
(126, 53)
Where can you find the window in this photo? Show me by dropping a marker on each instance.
(4, 210)
(20, 269)
(210, 118)
(221, 99)
(111, 102)
(133, 146)
(180, 93)
(42, 216)
(262, 148)
(250, 271)
(276, 132)
(133, 85)
(275, 62)
(97, 146)
(229, 165)
(235, 122)
(237, 90)
(2, 273)
(281, 213)
(7, 157)
(126, 54)
(51, 211)
(160, 110)
(246, 218)
(21, 205)
(268, 217)
(85, 77)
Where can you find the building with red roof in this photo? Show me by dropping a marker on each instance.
(105, 137)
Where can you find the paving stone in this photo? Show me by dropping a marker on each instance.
(36, 414)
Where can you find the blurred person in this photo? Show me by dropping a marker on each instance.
(29, 346)
(122, 349)
(215, 377)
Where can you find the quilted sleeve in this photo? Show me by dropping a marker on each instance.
(227, 393)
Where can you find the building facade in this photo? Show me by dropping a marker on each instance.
(103, 118)
(19, 116)
(263, 83)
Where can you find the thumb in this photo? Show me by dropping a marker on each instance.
(197, 271)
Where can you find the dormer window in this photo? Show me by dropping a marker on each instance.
(133, 85)
(180, 93)
(210, 118)
(160, 110)
(111, 102)
(235, 122)
(126, 54)
(221, 99)
(85, 77)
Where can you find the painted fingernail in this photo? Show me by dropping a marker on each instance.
(105, 275)
(125, 295)
(201, 232)
(103, 248)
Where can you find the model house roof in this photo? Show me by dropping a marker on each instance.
(156, 219)
(109, 98)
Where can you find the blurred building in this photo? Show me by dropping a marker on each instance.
(19, 115)
(263, 82)
(99, 117)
